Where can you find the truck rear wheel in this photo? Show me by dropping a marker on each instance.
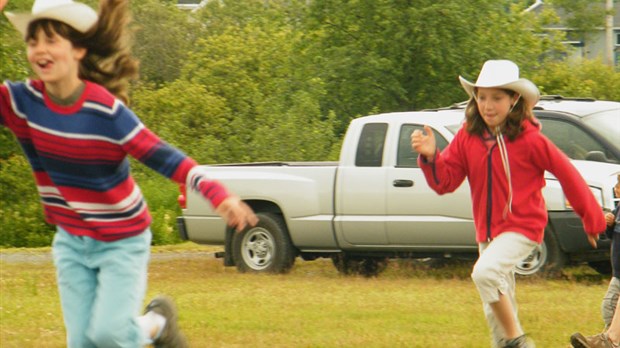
(602, 267)
(367, 266)
(264, 248)
(547, 257)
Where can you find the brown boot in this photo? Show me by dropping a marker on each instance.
(577, 340)
(171, 336)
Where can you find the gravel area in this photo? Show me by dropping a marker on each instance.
(46, 256)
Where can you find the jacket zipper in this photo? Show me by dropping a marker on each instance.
(489, 191)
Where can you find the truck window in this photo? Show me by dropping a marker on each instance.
(370, 146)
(573, 140)
(406, 157)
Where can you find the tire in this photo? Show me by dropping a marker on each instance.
(366, 266)
(602, 267)
(264, 248)
(547, 257)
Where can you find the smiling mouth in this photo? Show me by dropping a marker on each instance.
(43, 64)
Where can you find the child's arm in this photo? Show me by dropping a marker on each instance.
(5, 103)
(574, 186)
(610, 219)
(149, 149)
(444, 172)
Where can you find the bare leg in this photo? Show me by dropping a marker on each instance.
(504, 313)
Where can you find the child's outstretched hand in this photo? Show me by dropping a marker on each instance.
(236, 213)
(2, 4)
(609, 218)
(424, 144)
(592, 240)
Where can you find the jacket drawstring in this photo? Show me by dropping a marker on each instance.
(504, 155)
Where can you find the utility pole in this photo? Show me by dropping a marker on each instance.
(609, 30)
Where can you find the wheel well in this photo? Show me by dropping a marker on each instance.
(264, 206)
(550, 230)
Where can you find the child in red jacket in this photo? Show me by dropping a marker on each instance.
(503, 154)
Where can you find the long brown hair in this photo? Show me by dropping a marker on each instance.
(108, 59)
(512, 128)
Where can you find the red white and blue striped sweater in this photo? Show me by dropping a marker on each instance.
(78, 154)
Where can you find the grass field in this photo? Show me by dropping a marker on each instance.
(409, 305)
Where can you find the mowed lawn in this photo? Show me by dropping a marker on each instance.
(409, 305)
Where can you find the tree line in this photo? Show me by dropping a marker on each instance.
(279, 80)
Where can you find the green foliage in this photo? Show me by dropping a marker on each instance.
(13, 66)
(249, 59)
(185, 115)
(584, 78)
(401, 55)
(582, 15)
(12, 46)
(21, 215)
(161, 197)
(163, 36)
(279, 80)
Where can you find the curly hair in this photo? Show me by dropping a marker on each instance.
(108, 61)
(513, 126)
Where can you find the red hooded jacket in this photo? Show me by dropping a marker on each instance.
(529, 156)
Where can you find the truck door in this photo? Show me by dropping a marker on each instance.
(417, 216)
(360, 190)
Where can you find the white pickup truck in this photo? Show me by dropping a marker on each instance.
(374, 204)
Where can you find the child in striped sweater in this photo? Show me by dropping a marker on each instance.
(76, 131)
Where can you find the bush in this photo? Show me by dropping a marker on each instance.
(161, 196)
(21, 214)
(583, 78)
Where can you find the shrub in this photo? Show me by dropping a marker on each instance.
(21, 214)
(583, 78)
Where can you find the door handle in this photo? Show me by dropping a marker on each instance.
(402, 183)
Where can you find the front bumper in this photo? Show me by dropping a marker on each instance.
(572, 239)
(182, 228)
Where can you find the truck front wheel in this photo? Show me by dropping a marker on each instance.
(547, 257)
(367, 266)
(265, 247)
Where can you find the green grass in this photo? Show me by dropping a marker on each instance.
(409, 305)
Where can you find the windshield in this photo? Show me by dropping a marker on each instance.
(607, 124)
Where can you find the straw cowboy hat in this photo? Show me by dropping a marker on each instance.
(503, 74)
(75, 14)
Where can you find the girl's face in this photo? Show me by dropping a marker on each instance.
(494, 105)
(53, 58)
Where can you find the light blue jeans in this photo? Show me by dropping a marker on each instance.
(102, 287)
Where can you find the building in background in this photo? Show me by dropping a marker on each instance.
(593, 43)
(191, 5)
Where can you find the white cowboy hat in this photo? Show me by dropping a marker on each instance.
(77, 15)
(503, 74)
